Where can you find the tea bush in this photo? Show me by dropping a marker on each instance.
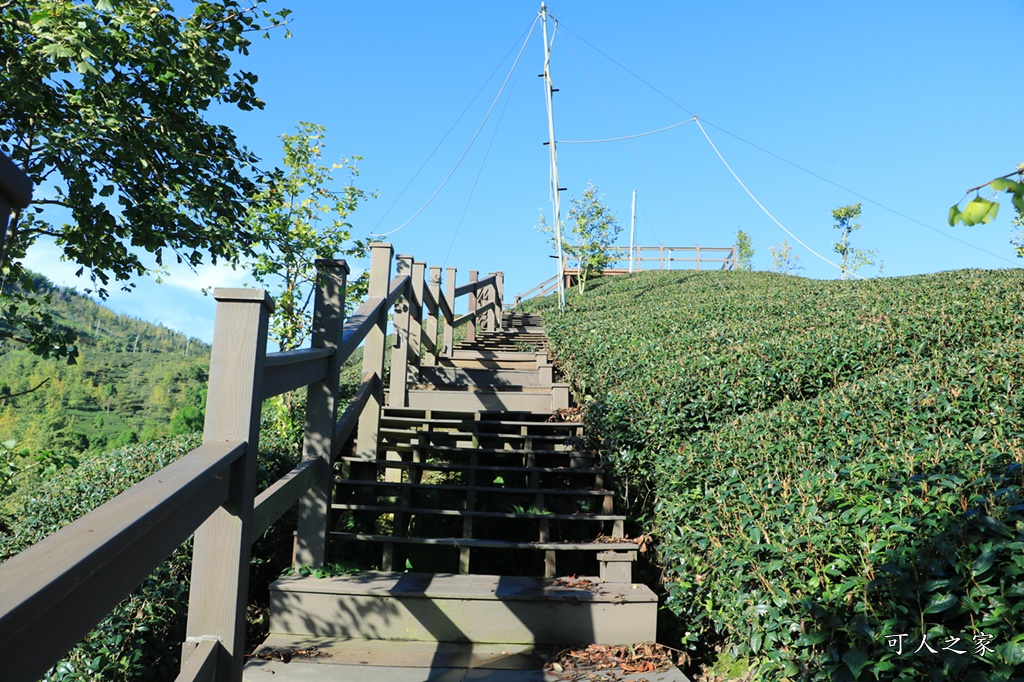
(825, 465)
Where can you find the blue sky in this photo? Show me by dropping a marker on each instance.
(899, 105)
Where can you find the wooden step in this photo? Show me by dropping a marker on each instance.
(453, 608)
(485, 468)
(602, 495)
(616, 519)
(490, 399)
(575, 457)
(394, 434)
(484, 543)
(459, 376)
(511, 426)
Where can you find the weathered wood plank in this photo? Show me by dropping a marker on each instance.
(361, 323)
(350, 417)
(321, 413)
(201, 666)
(287, 371)
(282, 496)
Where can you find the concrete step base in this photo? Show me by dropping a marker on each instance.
(340, 660)
(482, 609)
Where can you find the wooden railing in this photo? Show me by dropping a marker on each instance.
(53, 593)
(666, 257)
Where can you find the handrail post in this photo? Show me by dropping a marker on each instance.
(697, 249)
(499, 292)
(401, 349)
(219, 590)
(471, 327)
(373, 353)
(322, 413)
(494, 317)
(449, 294)
(435, 293)
(416, 314)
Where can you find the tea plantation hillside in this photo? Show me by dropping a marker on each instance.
(832, 470)
(131, 378)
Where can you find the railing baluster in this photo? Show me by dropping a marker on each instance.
(449, 294)
(401, 348)
(432, 321)
(322, 412)
(373, 353)
(471, 327)
(219, 589)
(416, 314)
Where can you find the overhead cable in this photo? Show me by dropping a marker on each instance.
(475, 136)
(766, 211)
(628, 137)
(787, 161)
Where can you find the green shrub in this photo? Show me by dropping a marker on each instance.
(822, 463)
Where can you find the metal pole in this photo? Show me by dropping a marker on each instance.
(556, 203)
(632, 231)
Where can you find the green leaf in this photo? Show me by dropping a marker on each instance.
(1005, 185)
(812, 638)
(984, 562)
(980, 210)
(955, 214)
(855, 661)
(938, 603)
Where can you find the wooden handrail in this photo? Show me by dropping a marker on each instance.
(398, 288)
(350, 417)
(428, 301)
(360, 324)
(289, 370)
(465, 319)
(282, 495)
(446, 309)
(473, 287)
(54, 592)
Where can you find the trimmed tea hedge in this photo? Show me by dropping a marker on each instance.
(825, 465)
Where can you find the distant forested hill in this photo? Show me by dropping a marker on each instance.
(133, 381)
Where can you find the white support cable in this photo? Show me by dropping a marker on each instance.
(628, 137)
(639, 157)
(766, 211)
(473, 140)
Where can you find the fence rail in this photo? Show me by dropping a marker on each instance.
(624, 260)
(55, 592)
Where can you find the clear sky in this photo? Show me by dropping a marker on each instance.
(899, 105)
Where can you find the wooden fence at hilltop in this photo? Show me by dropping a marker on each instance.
(625, 260)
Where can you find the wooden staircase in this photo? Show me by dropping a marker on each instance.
(479, 487)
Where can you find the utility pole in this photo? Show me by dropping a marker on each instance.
(632, 232)
(556, 203)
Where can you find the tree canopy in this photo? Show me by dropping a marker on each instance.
(104, 106)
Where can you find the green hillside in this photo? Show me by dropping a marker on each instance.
(130, 380)
(823, 465)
